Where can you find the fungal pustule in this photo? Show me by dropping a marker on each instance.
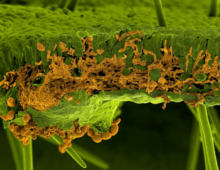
(11, 127)
(26, 118)
(26, 141)
(11, 102)
(114, 130)
(11, 114)
(106, 136)
(116, 121)
(90, 133)
(97, 138)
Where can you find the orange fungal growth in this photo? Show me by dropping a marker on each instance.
(78, 130)
(106, 136)
(11, 114)
(34, 136)
(71, 52)
(97, 133)
(116, 121)
(77, 101)
(9, 80)
(55, 46)
(166, 99)
(11, 102)
(26, 118)
(100, 51)
(78, 135)
(62, 134)
(21, 138)
(91, 133)
(4, 117)
(11, 127)
(97, 138)
(17, 130)
(26, 141)
(62, 148)
(63, 47)
(69, 98)
(38, 63)
(40, 47)
(69, 145)
(26, 127)
(114, 130)
(85, 128)
(23, 132)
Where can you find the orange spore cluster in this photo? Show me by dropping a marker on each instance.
(11, 113)
(97, 138)
(31, 130)
(9, 80)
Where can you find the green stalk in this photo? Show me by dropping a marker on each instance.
(160, 13)
(207, 136)
(214, 8)
(194, 147)
(72, 5)
(214, 119)
(93, 159)
(62, 3)
(193, 110)
(16, 148)
(204, 149)
(217, 142)
(71, 152)
(28, 156)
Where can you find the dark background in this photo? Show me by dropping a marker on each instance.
(149, 138)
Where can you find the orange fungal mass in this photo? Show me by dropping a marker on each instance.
(26, 118)
(11, 102)
(11, 114)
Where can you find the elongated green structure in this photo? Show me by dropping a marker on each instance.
(66, 70)
(160, 13)
(17, 150)
(72, 5)
(214, 8)
(28, 157)
(194, 147)
(63, 3)
(86, 155)
(71, 151)
(207, 137)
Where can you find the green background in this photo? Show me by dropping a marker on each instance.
(149, 138)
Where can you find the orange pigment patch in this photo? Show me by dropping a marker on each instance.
(77, 101)
(100, 51)
(166, 99)
(40, 47)
(55, 46)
